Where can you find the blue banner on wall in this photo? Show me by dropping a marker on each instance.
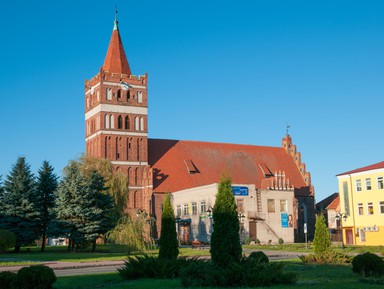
(240, 191)
(284, 220)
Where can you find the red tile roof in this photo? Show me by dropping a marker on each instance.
(364, 169)
(116, 60)
(246, 164)
(334, 205)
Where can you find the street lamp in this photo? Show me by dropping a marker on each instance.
(341, 217)
(210, 212)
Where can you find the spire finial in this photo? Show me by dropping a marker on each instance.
(115, 27)
(288, 126)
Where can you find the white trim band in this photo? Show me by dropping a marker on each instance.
(129, 163)
(116, 108)
(122, 133)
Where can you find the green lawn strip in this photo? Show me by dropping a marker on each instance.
(310, 276)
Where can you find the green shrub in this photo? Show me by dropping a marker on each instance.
(322, 240)
(280, 241)
(258, 256)
(7, 279)
(253, 271)
(35, 277)
(7, 240)
(152, 267)
(247, 241)
(368, 264)
(330, 257)
(257, 241)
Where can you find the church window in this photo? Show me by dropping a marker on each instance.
(139, 97)
(109, 93)
(106, 147)
(128, 95)
(112, 121)
(136, 176)
(127, 122)
(106, 121)
(141, 123)
(137, 124)
(117, 149)
(129, 176)
(119, 122)
(118, 94)
(98, 95)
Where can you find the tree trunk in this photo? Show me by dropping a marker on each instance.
(43, 242)
(69, 244)
(17, 248)
(94, 246)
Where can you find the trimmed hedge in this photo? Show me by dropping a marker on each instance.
(368, 265)
(32, 277)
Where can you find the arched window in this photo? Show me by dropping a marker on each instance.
(138, 149)
(106, 147)
(137, 124)
(118, 94)
(139, 97)
(117, 148)
(109, 93)
(129, 176)
(112, 121)
(136, 176)
(106, 121)
(119, 122)
(141, 123)
(127, 148)
(126, 122)
(128, 95)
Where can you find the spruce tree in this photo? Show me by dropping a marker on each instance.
(18, 204)
(322, 240)
(225, 240)
(46, 186)
(169, 245)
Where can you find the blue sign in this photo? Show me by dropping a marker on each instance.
(240, 191)
(284, 220)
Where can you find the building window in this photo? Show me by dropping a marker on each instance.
(380, 184)
(362, 235)
(358, 185)
(370, 208)
(118, 94)
(381, 204)
(368, 185)
(139, 97)
(128, 95)
(178, 211)
(284, 206)
(137, 123)
(346, 199)
(141, 123)
(119, 122)
(194, 208)
(203, 207)
(112, 121)
(271, 206)
(109, 93)
(106, 121)
(360, 209)
(186, 209)
(126, 122)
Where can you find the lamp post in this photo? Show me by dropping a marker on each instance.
(341, 217)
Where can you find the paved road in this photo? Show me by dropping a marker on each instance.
(82, 268)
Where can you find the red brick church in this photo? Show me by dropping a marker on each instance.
(116, 122)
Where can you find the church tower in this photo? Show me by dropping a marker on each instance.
(116, 121)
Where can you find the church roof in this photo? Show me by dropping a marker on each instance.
(364, 169)
(179, 165)
(116, 61)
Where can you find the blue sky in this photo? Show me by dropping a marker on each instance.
(220, 71)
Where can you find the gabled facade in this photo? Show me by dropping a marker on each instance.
(280, 196)
(362, 202)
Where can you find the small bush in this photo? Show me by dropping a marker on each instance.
(330, 257)
(257, 241)
(35, 277)
(368, 265)
(247, 241)
(7, 240)
(259, 257)
(7, 279)
(269, 242)
(280, 241)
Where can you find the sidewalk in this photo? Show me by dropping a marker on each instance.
(65, 265)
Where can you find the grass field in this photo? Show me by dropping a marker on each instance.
(310, 276)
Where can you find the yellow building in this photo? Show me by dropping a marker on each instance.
(362, 205)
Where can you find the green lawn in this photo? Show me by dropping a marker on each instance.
(313, 276)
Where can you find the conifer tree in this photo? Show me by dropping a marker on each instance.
(169, 245)
(46, 186)
(225, 240)
(322, 240)
(18, 204)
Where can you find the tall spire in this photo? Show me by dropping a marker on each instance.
(115, 60)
